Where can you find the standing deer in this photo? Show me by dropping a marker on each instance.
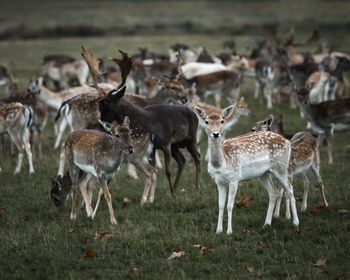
(325, 117)
(15, 119)
(249, 156)
(305, 156)
(96, 154)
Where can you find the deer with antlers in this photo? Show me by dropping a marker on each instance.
(15, 119)
(304, 157)
(171, 127)
(250, 156)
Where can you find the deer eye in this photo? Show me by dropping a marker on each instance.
(222, 121)
(206, 122)
(117, 135)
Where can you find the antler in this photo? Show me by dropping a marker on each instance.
(93, 64)
(315, 36)
(125, 65)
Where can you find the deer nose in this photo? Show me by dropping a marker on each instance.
(130, 150)
(216, 134)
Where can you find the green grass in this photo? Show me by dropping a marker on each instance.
(38, 241)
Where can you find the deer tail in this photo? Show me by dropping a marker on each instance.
(29, 114)
(65, 107)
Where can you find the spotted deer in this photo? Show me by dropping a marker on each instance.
(97, 155)
(304, 157)
(249, 156)
(325, 117)
(15, 119)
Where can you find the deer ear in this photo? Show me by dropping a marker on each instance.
(126, 121)
(106, 126)
(269, 120)
(200, 113)
(228, 111)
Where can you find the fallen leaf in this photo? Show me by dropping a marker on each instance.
(343, 211)
(203, 249)
(134, 270)
(320, 262)
(71, 230)
(104, 235)
(126, 202)
(244, 202)
(320, 210)
(182, 190)
(263, 245)
(89, 254)
(250, 269)
(177, 255)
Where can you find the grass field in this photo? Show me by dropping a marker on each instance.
(39, 241)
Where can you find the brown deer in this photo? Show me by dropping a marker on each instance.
(305, 156)
(96, 154)
(15, 119)
(325, 117)
(248, 156)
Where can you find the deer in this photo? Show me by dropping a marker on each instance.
(97, 155)
(325, 117)
(251, 156)
(15, 119)
(305, 156)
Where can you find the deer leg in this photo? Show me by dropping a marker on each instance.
(217, 99)
(132, 171)
(257, 89)
(265, 181)
(26, 139)
(316, 170)
(283, 179)
(306, 184)
(230, 203)
(103, 183)
(20, 147)
(62, 158)
(61, 128)
(222, 194)
(278, 203)
(148, 170)
(329, 138)
(74, 174)
(180, 160)
(86, 197)
(192, 149)
(167, 159)
(100, 193)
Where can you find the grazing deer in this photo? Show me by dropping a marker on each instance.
(96, 154)
(249, 156)
(304, 156)
(325, 117)
(15, 119)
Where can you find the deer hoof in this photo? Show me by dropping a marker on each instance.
(113, 221)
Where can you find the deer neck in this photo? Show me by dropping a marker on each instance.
(161, 97)
(50, 98)
(216, 155)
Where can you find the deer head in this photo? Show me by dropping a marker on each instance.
(303, 96)
(121, 132)
(264, 125)
(60, 189)
(213, 122)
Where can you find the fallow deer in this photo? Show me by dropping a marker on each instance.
(96, 154)
(7, 81)
(15, 119)
(304, 156)
(248, 156)
(325, 117)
